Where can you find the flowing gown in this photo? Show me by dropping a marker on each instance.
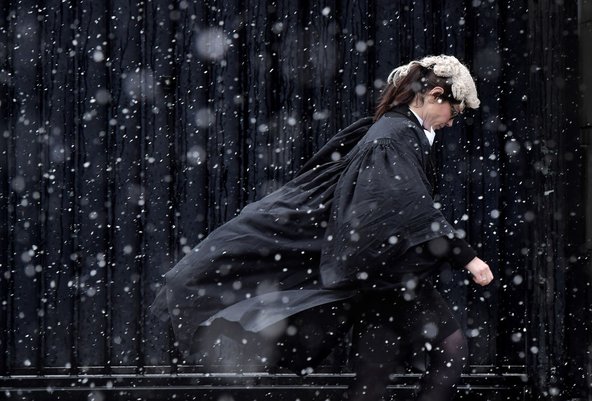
(360, 202)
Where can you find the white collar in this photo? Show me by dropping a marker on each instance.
(430, 134)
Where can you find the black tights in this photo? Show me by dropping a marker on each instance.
(379, 355)
(447, 360)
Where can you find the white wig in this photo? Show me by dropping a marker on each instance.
(463, 86)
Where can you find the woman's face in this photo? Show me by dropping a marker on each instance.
(437, 112)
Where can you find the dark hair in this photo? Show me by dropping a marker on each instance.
(418, 80)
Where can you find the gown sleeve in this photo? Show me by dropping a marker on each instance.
(381, 208)
(453, 250)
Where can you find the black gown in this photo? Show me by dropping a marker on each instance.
(360, 203)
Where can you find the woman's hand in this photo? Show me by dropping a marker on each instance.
(480, 270)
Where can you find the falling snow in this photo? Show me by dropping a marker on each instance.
(130, 132)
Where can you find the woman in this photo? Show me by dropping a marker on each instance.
(354, 237)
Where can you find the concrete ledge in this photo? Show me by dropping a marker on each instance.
(484, 386)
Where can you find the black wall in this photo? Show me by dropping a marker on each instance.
(131, 129)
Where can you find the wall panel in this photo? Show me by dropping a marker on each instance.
(130, 130)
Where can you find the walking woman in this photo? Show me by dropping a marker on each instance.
(354, 238)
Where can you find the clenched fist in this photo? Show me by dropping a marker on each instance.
(480, 270)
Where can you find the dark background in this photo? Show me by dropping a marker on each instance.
(131, 129)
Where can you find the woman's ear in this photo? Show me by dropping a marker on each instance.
(437, 91)
(434, 95)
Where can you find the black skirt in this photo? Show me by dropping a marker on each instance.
(401, 302)
(405, 300)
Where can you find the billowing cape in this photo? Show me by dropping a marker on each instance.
(361, 201)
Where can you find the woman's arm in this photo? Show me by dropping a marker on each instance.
(463, 255)
(459, 253)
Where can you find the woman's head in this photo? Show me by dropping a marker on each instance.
(432, 79)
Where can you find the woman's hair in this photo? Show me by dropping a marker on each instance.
(419, 80)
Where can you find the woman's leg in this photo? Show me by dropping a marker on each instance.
(377, 355)
(379, 347)
(447, 360)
